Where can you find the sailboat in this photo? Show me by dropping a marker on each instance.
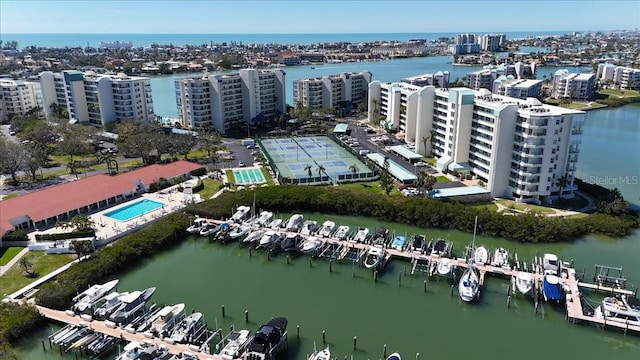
(469, 285)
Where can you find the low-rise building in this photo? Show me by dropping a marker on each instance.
(618, 77)
(521, 89)
(439, 79)
(573, 85)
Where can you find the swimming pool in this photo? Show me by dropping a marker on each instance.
(248, 176)
(133, 210)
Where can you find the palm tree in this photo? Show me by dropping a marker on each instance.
(429, 181)
(320, 170)
(308, 169)
(354, 169)
(562, 183)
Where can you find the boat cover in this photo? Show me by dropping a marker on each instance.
(551, 291)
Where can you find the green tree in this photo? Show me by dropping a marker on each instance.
(562, 183)
(354, 169)
(386, 181)
(13, 158)
(81, 247)
(321, 169)
(82, 222)
(309, 169)
(27, 266)
(38, 158)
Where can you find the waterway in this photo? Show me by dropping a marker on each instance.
(395, 310)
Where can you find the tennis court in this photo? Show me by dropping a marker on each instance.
(313, 160)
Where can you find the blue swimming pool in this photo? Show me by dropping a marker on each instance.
(133, 210)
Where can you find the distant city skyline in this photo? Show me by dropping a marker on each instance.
(305, 17)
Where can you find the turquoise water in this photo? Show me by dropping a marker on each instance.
(134, 210)
(248, 176)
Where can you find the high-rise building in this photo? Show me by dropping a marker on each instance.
(491, 42)
(96, 98)
(339, 91)
(18, 97)
(220, 100)
(572, 85)
(519, 148)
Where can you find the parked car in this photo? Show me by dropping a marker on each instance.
(241, 164)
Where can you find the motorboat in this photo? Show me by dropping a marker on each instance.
(439, 247)
(469, 284)
(166, 312)
(83, 340)
(444, 267)
(209, 229)
(167, 318)
(622, 308)
(239, 232)
(253, 237)
(242, 212)
(524, 283)
(294, 223)
(551, 289)
(101, 344)
(268, 237)
(342, 232)
(311, 245)
(131, 305)
(361, 235)
(327, 228)
(276, 224)
(381, 236)
(196, 226)
(89, 297)
(188, 326)
(309, 227)
(375, 257)
(276, 245)
(108, 304)
(267, 340)
(324, 354)
(481, 255)
(237, 341)
(264, 218)
(394, 356)
(550, 264)
(398, 242)
(290, 243)
(500, 258)
(418, 243)
(135, 350)
(222, 235)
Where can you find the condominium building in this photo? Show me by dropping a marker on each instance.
(18, 97)
(519, 148)
(521, 89)
(96, 98)
(339, 91)
(491, 42)
(618, 77)
(220, 100)
(484, 79)
(439, 79)
(572, 85)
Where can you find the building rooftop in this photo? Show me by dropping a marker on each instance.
(459, 191)
(396, 170)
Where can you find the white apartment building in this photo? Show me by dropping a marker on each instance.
(339, 91)
(572, 85)
(220, 100)
(18, 97)
(519, 148)
(521, 89)
(484, 79)
(491, 42)
(439, 79)
(97, 98)
(618, 77)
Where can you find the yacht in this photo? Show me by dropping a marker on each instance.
(133, 303)
(324, 354)
(237, 341)
(619, 308)
(398, 242)
(469, 285)
(108, 304)
(241, 213)
(524, 283)
(290, 243)
(269, 237)
(166, 312)
(327, 228)
(375, 257)
(239, 232)
(197, 225)
(361, 235)
(264, 218)
(311, 245)
(309, 227)
(444, 267)
(276, 224)
(418, 243)
(89, 297)
(253, 237)
(500, 258)
(551, 289)
(550, 264)
(188, 326)
(168, 317)
(267, 340)
(342, 232)
(294, 223)
(481, 255)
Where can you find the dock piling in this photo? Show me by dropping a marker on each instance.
(249, 252)
(417, 356)
(384, 351)
(287, 259)
(223, 314)
(508, 301)
(452, 289)
(330, 269)
(400, 279)
(375, 275)
(43, 347)
(310, 263)
(324, 338)
(298, 331)
(355, 342)
(425, 286)
(246, 316)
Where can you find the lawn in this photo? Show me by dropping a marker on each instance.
(9, 196)
(578, 202)
(620, 93)
(525, 207)
(230, 178)
(211, 187)
(7, 253)
(372, 187)
(265, 173)
(491, 207)
(43, 264)
(442, 179)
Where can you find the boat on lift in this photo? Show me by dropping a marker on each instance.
(375, 257)
(481, 255)
(237, 341)
(89, 297)
(309, 227)
(361, 235)
(327, 228)
(242, 212)
(342, 232)
(264, 218)
(311, 245)
(500, 258)
(524, 283)
(132, 304)
(295, 222)
(239, 232)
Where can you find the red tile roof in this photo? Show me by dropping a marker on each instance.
(55, 200)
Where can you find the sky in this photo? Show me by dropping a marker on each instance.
(312, 16)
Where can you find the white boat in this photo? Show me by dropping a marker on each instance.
(309, 227)
(264, 218)
(236, 342)
(268, 237)
(394, 356)
(162, 313)
(311, 245)
(135, 350)
(324, 354)
(276, 224)
(196, 226)
(524, 283)
(294, 222)
(469, 285)
(550, 264)
(253, 237)
(500, 258)
(241, 213)
(361, 235)
(132, 304)
(109, 304)
(481, 255)
(188, 326)
(239, 231)
(89, 297)
(326, 228)
(209, 229)
(551, 289)
(375, 256)
(167, 319)
(342, 232)
(620, 309)
(444, 267)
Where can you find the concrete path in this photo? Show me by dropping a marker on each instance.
(5, 268)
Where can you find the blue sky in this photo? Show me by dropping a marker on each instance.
(300, 16)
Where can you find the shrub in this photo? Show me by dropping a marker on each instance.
(198, 172)
(64, 236)
(18, 235)
(16, 320)
(162, 183)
